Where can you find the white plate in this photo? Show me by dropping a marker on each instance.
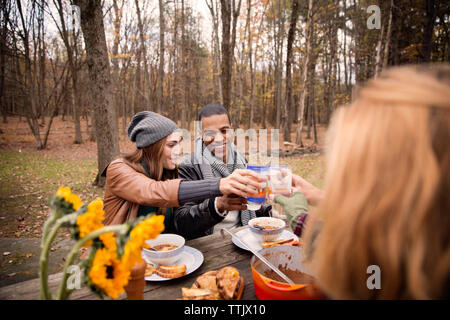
(190, 257)
(247, 236)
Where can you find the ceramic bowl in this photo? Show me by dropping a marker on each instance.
(165, 257)
(266, 228)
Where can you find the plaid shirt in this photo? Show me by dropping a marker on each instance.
(299, 226)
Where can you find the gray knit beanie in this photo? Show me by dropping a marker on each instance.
(148, 127)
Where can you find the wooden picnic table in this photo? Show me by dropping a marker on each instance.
(217, 251)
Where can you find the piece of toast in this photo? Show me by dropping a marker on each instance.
(171, 271)
(230, 283)
(199, 294)
(149, 270)
(206, 281)
(275, 243)
(225, 283)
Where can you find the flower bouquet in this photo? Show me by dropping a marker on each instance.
(113, 250)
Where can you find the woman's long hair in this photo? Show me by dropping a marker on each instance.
(152, 157)
(387, 195)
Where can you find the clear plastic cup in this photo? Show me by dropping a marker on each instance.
(280, 179)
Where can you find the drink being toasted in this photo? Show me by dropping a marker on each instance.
(280, 179)
(254, 202)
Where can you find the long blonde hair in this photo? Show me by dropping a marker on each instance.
(387, 200)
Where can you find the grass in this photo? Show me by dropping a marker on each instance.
(311, 168)
(27, 182)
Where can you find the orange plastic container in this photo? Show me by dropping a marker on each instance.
(283, 257)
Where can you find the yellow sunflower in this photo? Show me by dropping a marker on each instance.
(145, 230)
(109, 240)
(91, 220)
(108, 273)
(69, 197)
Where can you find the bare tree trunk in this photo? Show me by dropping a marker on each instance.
(175, 64)
(226, 52)
(161, 56)
(184, 105)
(264, 99)
(70, 48)
(347, 84)
(313, 113)
(250, 59)
(301, 106)
(30, 88)
(333, 61)
(290, 41)
(143, 55)
(230, 13)
(138, 99)
(42, 58)
(378, 59)
(115, 59)
(105, 120)
(388, 36)
(235, 9)
(5, 10)
(212, 5)
(278, 71)
(430, 9)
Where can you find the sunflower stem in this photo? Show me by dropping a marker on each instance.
(43, 261)
(47, 240)
(63, 293)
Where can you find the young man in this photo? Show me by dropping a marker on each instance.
(214, 156)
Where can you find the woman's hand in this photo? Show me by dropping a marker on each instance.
(293, 206)
(312, 194)
(241, 182)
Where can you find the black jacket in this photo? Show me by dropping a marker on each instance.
(197, 218)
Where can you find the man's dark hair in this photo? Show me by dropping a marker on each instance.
(213, 109)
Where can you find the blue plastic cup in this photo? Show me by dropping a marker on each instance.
(254, 202)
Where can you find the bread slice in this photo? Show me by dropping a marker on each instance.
(230, 283)
(149, 270)
(268, 244)
(206, 281)
(171, 271)
(199, 294)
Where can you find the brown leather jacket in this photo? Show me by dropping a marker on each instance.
(126, 189)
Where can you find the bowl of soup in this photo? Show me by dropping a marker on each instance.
(266, 228)
(164, 249)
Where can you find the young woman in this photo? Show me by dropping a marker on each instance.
(386, 203)
(144, 181)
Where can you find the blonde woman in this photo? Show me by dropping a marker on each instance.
(386, 200)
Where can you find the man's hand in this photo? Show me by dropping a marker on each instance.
(231, 202)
